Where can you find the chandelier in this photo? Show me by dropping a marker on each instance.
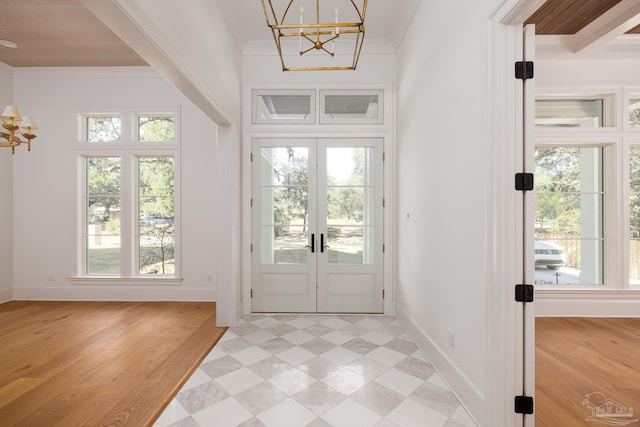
(320, 33)
(16, 125)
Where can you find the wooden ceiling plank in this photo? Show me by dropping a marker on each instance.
(615, 22)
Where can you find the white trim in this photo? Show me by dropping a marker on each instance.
(111, 293)
(126, 281)
(471, 397)
(587, 302)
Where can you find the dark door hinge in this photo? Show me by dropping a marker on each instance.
(524, 293)
(251, 293)
(524, 405)
(524, 70)
(524, 181)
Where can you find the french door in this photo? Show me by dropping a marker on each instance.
(317, 241)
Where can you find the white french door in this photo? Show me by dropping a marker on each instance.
(317, 240)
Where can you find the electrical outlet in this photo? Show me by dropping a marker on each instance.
(451, 337)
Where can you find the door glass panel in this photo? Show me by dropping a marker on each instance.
(634, 112)
(569, 216)
(585, 113)
(634, 215)
(284, 205)
(350, 207)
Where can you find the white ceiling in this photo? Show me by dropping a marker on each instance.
(65, 33)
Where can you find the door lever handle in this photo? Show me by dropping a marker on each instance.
(312, 246)
(322, 245)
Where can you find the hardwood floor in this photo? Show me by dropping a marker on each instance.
(98, 363)
(579, 356)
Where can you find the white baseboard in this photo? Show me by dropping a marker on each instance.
(6, 295)
(92, 293)
(587, 303)
(468, 394)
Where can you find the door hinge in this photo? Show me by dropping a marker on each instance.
(384, 155)
(383, 294)
(251, 248)
(251, 202)
(524, 181)
(524, 70)
(383, 202)
(251, 293)
(251, 157)
(383, 248)
(524, 405)
(524, 293)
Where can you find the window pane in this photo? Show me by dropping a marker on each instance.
(103, 129)
(156, 129)
(283, 108)
(634, 113)
(102, 201)
(634, 215)
(350, 108)
(156, 211)
(569, 215)
(586, 113)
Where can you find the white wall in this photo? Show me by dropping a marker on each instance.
(442, 180)
(6, 202)
(45, 182)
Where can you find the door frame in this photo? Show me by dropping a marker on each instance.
(511, 357)
(334, 132)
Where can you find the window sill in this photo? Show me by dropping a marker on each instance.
(585, 293)
(126, 281)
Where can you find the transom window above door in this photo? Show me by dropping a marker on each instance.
(324, 107)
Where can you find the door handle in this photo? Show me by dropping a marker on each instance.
(322, 245)
(312, 246)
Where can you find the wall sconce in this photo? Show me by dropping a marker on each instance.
(16, 125)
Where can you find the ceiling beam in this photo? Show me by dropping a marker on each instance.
(125, 27)
(614, 23)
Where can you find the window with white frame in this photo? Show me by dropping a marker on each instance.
(129, 163)
(587, 183)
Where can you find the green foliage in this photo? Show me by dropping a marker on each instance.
(558, 191)
(156, 128)
(156, 187)
(103, 129)
(103, 186)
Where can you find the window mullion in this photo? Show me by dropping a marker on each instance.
(128, 197)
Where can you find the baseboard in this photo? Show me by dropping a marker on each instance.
(6, 295)
(468, 394)
(92, 293)
(587, 303)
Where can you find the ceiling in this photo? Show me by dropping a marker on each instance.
(56, 33)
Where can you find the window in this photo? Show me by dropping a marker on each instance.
(570, 113)
(280, 106)
(128, 195)
(352, 107)
(569, 215)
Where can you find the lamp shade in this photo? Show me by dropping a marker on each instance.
(28, 122)
(11, 111)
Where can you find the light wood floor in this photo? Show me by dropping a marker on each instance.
(579, 356)
(98, 363)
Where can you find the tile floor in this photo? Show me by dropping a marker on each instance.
(316, 371)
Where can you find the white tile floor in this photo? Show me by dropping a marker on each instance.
(315, 370)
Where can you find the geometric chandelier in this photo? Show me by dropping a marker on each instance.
(311, 36)
(13, 122)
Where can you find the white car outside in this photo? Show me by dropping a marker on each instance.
(550, 255)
